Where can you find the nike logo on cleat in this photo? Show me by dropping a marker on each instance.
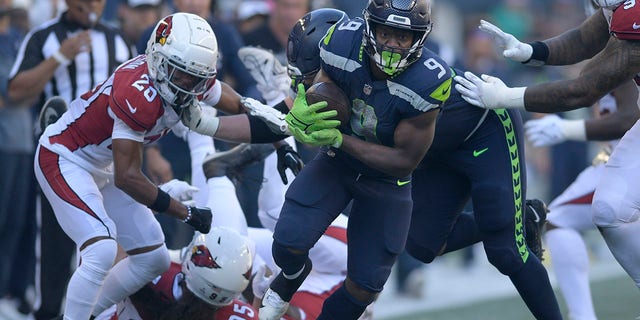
(402, 183)
(477, 153)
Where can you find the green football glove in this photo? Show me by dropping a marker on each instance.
(323, 137)
(327, 137)
(306, 118)
(302, 136)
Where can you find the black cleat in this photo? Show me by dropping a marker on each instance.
(233, 161)
(51, 111)
(535, 216)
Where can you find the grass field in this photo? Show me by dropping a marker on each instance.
(615, 299)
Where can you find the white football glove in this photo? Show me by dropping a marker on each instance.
(272, 79)
(262, 281)
(272, 117)
(200, 118)
(551, 129)
(180, 190)
(512, 48)
(489, 92)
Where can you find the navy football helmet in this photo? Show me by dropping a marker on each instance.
(413, 15)
(303, 47)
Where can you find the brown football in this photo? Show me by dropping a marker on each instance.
(336, 100)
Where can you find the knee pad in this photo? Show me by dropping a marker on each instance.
(507, 261)
(606, 216)
(419, 252)
(150, 264)
(97, 259)
(289, 262)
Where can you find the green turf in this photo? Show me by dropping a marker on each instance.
(614, 299)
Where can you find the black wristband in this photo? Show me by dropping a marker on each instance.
(282, 107)
(161, 204)
(539, 55)
(260, 132)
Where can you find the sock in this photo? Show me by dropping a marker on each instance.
(225, 206)
(199, 146)
(341, 305)
(287, 285)
(570, 262)
(532, 283)
(129, 275)
(85, 284)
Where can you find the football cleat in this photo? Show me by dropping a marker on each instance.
(273, 307)
(233, 161)
(271, 76)
(535, 216)
(51, 111)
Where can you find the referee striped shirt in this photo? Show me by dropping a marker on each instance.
(86, 70)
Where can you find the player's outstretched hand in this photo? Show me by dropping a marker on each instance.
(551, 129)
(288, 158)
(272, 117)
(489, 92)
(179, 190)
(512, 47)
(306, 117)
(199, 218)
(270, 75)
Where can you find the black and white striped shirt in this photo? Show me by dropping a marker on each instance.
(86, 70)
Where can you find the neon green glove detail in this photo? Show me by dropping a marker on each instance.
(306, 118)
(327, 137)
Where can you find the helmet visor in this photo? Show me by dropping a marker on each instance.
(187, 84)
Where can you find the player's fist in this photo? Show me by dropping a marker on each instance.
(288, 158)
(199, 218)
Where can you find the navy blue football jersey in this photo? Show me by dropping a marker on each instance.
(378, 105)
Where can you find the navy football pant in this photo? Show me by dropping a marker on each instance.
(378, 222)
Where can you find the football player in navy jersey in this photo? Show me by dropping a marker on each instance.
(478, 154)
(468, 144)
(397, 88)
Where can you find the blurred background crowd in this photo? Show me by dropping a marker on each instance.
(267, 23)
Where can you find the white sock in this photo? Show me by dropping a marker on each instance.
(570, 262)
(199, 146)
(129, 275)
(271, 195)
(225, 206)
(85, 284)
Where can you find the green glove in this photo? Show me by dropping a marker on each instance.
(327, 137)
(306, 118)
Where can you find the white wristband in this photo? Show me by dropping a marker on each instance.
(62, 60)
(514, 97)
(574, 130)
(208, 126)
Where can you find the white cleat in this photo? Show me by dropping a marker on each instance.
(269, 73)
(273, 307)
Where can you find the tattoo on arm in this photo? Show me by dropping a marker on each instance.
(580, 43)
(617, 62)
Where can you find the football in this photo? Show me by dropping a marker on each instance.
(336, 100)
